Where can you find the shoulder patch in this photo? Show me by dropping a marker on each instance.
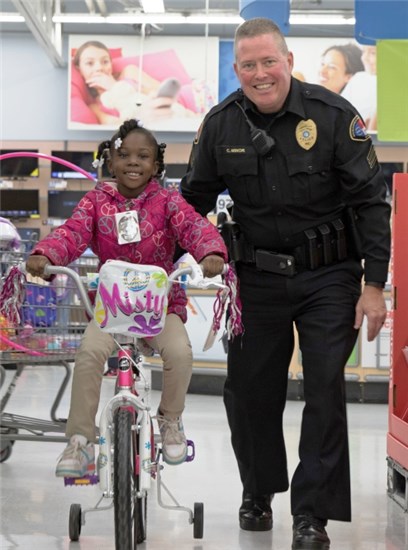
(358, 130)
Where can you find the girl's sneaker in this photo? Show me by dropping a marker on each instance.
(77, 459)
(174, 443)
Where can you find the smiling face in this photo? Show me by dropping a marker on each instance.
(134, 163)
(264, 71)
(94, 61)
(333, 71)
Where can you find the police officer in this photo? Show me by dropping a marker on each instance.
(295, 159)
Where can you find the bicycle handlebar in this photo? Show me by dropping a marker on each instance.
(57, 269)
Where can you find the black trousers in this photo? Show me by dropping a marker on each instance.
(321, 304)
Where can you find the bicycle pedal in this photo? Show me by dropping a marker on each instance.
(89, 479)
(190, 451)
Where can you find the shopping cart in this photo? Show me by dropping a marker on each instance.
(46, 332)
(42, 325)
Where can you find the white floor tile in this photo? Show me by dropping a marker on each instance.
(35, 504)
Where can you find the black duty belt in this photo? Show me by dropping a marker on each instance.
(322, 245)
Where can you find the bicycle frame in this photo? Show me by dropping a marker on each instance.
(127, 396)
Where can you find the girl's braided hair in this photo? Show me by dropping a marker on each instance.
(133, 125)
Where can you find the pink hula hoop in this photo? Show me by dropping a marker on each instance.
(49, 157)
(14, 345)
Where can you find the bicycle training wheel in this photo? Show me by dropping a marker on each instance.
(198, 522)
(6, 446)
(75, 522)
(130, 511)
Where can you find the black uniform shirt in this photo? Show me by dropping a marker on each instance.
(323, 161)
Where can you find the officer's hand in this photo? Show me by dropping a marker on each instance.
(35, 265)
(372, 305)
(212, 265)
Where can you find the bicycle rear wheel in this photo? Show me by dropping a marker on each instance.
(127, 510)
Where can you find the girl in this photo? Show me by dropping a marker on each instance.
(134, 160)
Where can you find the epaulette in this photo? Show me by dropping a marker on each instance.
(317, 92)
(234, 96)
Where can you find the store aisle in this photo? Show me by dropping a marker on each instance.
(35, 504)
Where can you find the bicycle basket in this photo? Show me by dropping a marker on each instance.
(131, 298)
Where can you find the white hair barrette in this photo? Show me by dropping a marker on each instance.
(118, 142)
(98, 163)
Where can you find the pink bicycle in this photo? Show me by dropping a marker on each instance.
(129, 451)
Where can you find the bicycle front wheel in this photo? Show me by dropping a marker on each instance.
(125, 481)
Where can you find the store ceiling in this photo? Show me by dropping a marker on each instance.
(193, 7)
(38, 16)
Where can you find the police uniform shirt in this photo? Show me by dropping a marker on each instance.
(322, 161)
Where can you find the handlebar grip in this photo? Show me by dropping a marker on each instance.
(50, 269)
(224, 269)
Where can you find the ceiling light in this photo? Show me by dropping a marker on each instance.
(11, 18)
(320, 19)
(152, 6)
(216, 18)
(159, 19)
(79, 18)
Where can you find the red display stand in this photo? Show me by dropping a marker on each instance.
(397, 437)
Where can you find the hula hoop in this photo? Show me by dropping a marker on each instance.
(14, 345)
(51, 158)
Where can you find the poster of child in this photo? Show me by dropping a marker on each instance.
(113, 78)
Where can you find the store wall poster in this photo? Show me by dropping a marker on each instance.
(169, 84)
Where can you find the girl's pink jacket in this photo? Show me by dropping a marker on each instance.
(165, 218)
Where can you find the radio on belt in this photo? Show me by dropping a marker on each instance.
(283, 264)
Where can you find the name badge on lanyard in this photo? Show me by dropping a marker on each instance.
(127, 227)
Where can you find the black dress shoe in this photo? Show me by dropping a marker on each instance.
(309, 533)
(255, 513)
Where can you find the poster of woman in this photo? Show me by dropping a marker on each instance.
(343, 66)
(168, 87)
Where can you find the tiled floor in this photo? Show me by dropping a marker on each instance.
(35, 505)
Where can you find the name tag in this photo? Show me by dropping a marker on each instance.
(127, 227)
